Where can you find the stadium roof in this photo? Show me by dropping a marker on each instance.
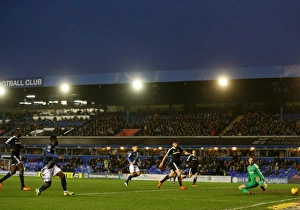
(156, 76)
(277, 84)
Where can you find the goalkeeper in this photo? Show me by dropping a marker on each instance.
(255, 178)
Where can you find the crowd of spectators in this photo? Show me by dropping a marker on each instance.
(205, 122)
(196, 122)
(37, 120)
(208, 165)
(71, 163)
(216, 121)
(117, 165)
(264, 124)
(186, 124)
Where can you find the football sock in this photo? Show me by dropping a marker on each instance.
(179, 181)
(166, 178)
(43, 187)
(128, 178)
(22, 179)
(64, 183)
(5, 177)
(194, 180)
(244, 190)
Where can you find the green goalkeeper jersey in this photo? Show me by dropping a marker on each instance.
(253, 172)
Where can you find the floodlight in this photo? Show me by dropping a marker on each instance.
(2, 91)
(65, 88)
(137, 84)
(223, 81)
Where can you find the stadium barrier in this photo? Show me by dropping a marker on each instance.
(67, 174)
(156, 177)
(202, 178)
(243, 179)
(38, 174)
(101, 176)
(294, 181)
(26, 173)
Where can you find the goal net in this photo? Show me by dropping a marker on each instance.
(5, 163)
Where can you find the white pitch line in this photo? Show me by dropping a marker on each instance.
(141, 191)
(121, 193)
(137, 191)
(259, 204)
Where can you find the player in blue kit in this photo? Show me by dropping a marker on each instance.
(50, 168)
(15, 146)
(133, 167)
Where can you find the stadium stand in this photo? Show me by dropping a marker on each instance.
(198, 122)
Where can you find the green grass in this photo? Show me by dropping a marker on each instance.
(143, 195)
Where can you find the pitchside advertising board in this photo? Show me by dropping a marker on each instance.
(26, 173)
(35, 173)
(67, 174)
(156, 177)
(101, 176)
(243, 179)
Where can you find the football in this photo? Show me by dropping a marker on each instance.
(294, 190)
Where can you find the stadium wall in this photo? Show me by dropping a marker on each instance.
(165, 141)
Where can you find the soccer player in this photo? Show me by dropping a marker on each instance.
(50, 168)
(174, 163)
(133, 167)
(15, 146)
(255, 178)
(193, 163)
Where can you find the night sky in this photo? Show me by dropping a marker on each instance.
(61, 37)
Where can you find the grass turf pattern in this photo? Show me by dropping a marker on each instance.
(114, 195)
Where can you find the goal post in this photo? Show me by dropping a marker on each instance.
(5, 162)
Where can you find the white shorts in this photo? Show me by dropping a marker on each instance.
(47, 174)
(133, 168)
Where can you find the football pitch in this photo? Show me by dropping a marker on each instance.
(113, 194)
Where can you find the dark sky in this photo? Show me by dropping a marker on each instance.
(52, 37)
